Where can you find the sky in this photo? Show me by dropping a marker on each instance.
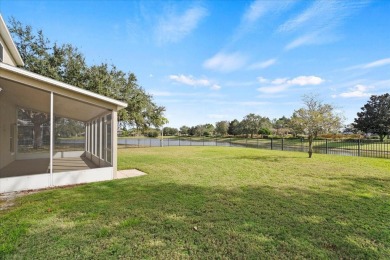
(208, 61)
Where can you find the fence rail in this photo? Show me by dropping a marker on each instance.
(358, 147)
(362, 147)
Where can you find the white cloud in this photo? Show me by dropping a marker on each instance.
(357, 91)
(260, 8)
(192, 81)
(316, 24)
(189, 80)
(215, 87)
(262, 65)
(273, 89)
(307, 39)
(282, 84)
(262, 80)
(306, 80)
(172, 27)
(255, 11)
(279, 81)
(373, 64)
(377, 63)
(225, 62)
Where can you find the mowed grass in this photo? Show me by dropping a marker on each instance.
(211, 202)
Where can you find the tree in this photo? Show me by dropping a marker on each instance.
(65, 63)
(264, 131)
(314, 119)
(199, 130)
(251, 124)
(184, 130)
(208, 129)
(169, 131)
(65, 127)
(221, 128)
(281, 125)
(234, 127)
(375, 116)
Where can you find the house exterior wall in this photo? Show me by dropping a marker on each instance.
(7, 119)
(7, 58)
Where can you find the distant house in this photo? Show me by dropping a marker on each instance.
(45, 165)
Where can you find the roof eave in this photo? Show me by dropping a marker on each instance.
(119, 104)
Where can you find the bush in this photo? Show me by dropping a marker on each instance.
(152, 133)
(264, 131)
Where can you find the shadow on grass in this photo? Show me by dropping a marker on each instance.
(134, 219)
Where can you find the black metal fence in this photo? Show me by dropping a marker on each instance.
(351, 147)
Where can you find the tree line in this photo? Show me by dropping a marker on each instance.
(314, 119)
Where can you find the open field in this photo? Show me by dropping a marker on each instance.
(211, 202)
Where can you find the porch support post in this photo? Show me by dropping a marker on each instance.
(51, 137)
(114, 151)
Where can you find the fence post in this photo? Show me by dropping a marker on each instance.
(203, 140)
(150, 142)
(272, 143)
(246, 142)
(282, 144)
(138, 142)
(230, 141)
(326, 146)
(216, 141)
(257, 142)
(359, 147)
(168, 142)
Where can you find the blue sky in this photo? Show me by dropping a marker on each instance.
(208, 61)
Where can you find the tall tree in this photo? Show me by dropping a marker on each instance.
(234, 127)
(251, 124)
(281, 125)
(184, 130)
(315, 118)
(222, 127)
(67, 64)
(375, 116)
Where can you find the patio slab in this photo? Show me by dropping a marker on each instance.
(129, 174)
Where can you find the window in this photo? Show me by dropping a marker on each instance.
(12, 138)
(1, 53)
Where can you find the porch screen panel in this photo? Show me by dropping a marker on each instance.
(33, 133)
(69, 135)
(25, 130)
(98, 138)
(109, 138)
(104, 139)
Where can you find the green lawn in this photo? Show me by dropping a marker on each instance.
(211, 202)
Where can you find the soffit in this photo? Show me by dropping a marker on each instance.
(33, 98)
